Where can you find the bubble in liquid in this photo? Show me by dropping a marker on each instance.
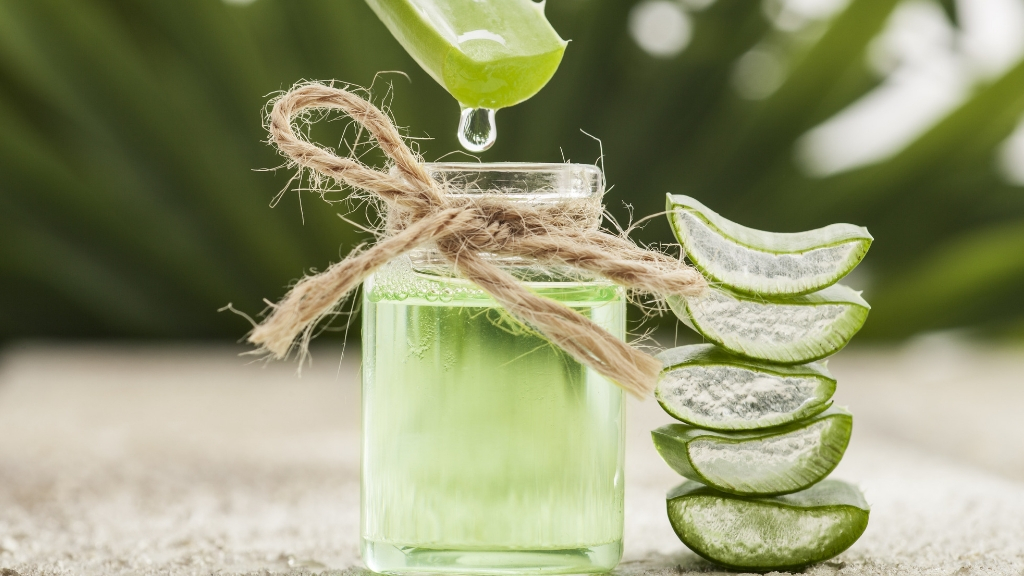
(477, 130)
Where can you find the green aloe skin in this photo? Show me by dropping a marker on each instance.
(760, 434)
(767, 462)
(487, 53)
(784, 330)
(706, 386)
(763, 263)
(764, 534)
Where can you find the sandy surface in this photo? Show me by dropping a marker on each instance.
(188, 460)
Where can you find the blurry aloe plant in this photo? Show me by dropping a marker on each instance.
(130, 139)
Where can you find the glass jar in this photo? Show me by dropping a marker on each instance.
(486, 449)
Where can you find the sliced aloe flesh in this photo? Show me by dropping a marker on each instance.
(758, 463)
(764, 534)
(708, 387)
(768, 263)
(486, 53)
(791, 330)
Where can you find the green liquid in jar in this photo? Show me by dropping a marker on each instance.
(485, 448)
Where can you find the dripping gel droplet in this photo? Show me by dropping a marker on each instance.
(477, 131)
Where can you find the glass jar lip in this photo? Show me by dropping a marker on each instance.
(520, 179)
(553, 167)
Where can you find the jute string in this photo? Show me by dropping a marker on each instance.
(464, 228)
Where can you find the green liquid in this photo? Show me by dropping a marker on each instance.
(485, 448)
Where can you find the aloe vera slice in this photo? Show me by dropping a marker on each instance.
(790, 330)
(764, 534)
(486, 53)
(768, 263)
(758, 463)
(706, 386)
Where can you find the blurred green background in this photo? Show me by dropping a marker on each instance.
(132, 205)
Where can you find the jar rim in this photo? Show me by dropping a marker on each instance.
(511, 166)
(525, 179)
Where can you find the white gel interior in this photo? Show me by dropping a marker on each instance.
(738, 265)
(775, 463)
(748, 322)
(729, 394)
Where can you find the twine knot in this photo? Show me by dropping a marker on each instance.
(465, 228)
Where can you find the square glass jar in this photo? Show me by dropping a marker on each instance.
(486, 449)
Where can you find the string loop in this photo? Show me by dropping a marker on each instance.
(462, 228)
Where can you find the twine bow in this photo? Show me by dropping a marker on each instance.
(462, 227)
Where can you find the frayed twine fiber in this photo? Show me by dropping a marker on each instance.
(462, 228)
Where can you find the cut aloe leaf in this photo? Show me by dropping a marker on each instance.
(486, 53)
(768, 263)
(790, 330)
(706, 386)
(764, 534)
(758, 463)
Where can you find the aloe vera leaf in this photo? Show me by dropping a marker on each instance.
(791, 330)
(706, 386)
(766, 462)
(764, 534)
(486, 53)
(767, 263)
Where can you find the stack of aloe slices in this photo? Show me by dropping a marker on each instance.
(759, 433)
